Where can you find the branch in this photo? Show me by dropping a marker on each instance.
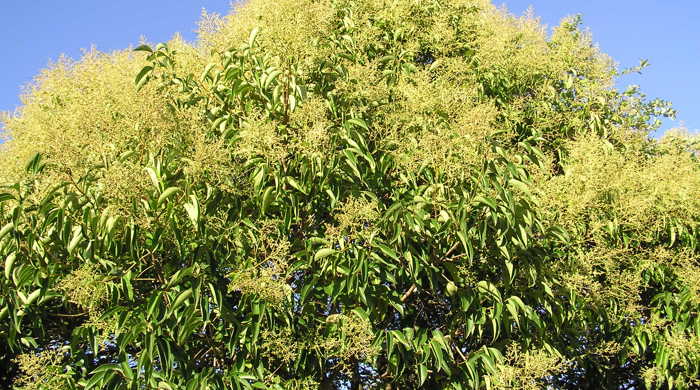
(69, 315)
(409, 292)
(455, 246)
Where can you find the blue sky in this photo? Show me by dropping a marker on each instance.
(665, 32)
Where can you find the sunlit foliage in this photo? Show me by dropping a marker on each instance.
(349, 194)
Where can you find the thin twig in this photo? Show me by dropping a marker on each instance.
(409, 292)
(70, 315)
(455, 246)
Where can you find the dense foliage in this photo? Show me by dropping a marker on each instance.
(348, 194)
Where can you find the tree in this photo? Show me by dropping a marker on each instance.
(342, 194)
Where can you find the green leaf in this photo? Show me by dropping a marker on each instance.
(9, 264)
(181, 299)
(77, 239)
(451, 289)
(324, 252)
(153, 304)
(32, 296)
(486, 201)
(145, 48)
(359, 123)
(387, 251)
(270, 78)
(520, 186)
(423, 373)
(511, 271)
(192, 209)
(206, 71)
(22, 297)
(489, 289)
(253, 35)
(6, 196)
(267, 198)
(548, 289)
(35, 165)
(513, 309)
(398, 335)
(167, 193)
(155, 178)
(292, 182)
(179, 275)
(111, 223)
(142, 77)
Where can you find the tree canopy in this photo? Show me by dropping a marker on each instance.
(349, 194)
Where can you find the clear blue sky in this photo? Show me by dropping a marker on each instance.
(666, 33)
